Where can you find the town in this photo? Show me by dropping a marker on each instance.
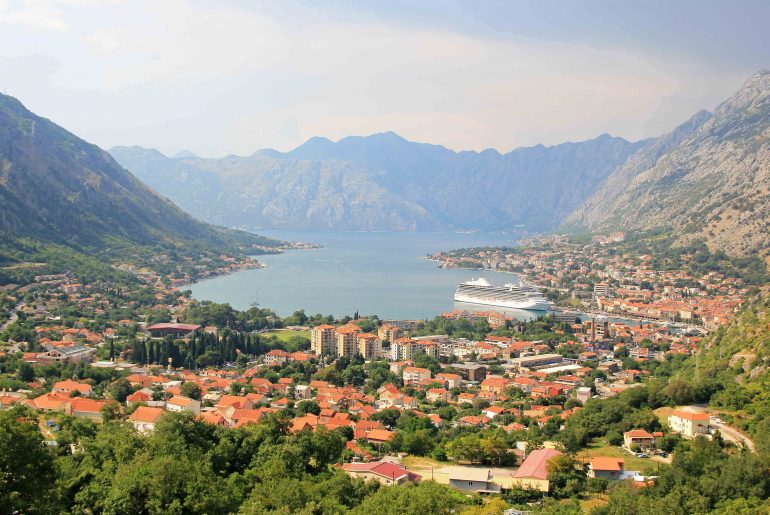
(478, 401)
(605, 275)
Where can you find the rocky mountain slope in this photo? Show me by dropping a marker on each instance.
(384, 182)
(709, 179)
(57, 188)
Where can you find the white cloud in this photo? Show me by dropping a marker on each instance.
(42, 15)
(218, 79)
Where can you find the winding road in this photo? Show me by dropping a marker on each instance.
(11, 319)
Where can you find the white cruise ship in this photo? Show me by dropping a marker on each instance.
(480, 291)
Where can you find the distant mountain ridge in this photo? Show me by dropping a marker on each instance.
(384, 182)
(58, 188)
(708, 179)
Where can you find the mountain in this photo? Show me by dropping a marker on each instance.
(707, 180)
(56, 188)
(384, 182)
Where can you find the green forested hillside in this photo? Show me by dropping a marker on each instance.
(61, 196)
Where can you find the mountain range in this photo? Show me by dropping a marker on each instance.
(56, 188)
(707, 179)
(384, 182)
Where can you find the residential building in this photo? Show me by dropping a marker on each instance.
(415, 374)
(276, 357)
(68, 386)
(345, 340)
(322, 340)
(478, 480)
(384, 472)
(437, 394)
(407, 348)
(389, 333)
(85, 408)
(369, 346)
(533, 472)
(606, 468)
(639, 438)
(450, 380)
(689, 424)
(583, 394)
(144, 418)
(470, 371)
(495, 384)
(179, 403)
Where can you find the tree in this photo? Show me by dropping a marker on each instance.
(307, 406)
(419, 443)
(191, 390)
(111, 411)
(26, 466)
(494, 506)
(425, 497)
(495, 448)
(467, 448)
(614, 438)
(25, 372)
(389, 417)
(564, 477)
(119, 390)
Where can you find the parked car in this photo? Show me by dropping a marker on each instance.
(641, 455)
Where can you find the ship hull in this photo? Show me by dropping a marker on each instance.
(526, 305)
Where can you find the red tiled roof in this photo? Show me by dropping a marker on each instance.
(146, 414)
(610, 464)
(535, 464)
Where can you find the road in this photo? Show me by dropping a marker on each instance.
(14, 317)
(729, 433)
(14, 348)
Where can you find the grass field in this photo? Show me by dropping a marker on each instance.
(663, 414)
(599, 448)
(287, 334)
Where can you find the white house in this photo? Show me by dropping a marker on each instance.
(145, 418)
(179, 403)
(689, 424)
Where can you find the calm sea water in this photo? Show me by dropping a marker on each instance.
(372, 273)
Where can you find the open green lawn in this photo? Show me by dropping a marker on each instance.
(287, 334)
(599, 448)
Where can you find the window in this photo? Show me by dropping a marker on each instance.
(470, 483)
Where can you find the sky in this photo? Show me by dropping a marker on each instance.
(231, 77)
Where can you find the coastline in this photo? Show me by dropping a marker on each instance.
(250, 262)
(577, 311)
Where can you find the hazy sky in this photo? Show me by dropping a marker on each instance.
(220, 77)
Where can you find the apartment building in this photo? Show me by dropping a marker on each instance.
(322, 340)
(369, 345)
(346, 340)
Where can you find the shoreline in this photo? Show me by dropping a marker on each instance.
(577, 311)
(251, 262)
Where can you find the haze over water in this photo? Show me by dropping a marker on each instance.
(372, 273)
